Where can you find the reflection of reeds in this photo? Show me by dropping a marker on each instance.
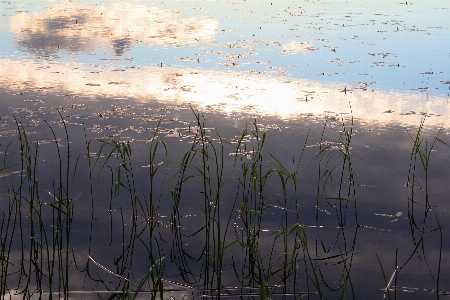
(422, 150)
(196, 222)
(420, 210)
(44, 255)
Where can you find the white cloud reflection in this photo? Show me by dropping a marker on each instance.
(120, 24)
(225, 91)
(296, 47)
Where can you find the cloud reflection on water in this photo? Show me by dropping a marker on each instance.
(120, 24)
(79, 28)
(229, 92)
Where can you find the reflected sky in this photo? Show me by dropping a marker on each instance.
(385, 65)
(317, 58)
(401, 46)
(117, 26)
(228, 92)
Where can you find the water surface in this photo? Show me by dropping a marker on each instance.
(343, 91)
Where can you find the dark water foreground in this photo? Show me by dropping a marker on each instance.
(247, 149)
(110, 199)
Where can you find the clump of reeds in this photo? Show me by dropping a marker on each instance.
(226, 219)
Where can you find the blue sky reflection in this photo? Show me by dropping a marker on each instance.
(393, 59)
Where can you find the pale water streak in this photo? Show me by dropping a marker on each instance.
(226, 91)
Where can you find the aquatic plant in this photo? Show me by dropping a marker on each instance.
(218, 218)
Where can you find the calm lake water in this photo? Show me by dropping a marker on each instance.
(324, 128)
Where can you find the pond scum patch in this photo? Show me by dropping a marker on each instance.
(221, 219)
